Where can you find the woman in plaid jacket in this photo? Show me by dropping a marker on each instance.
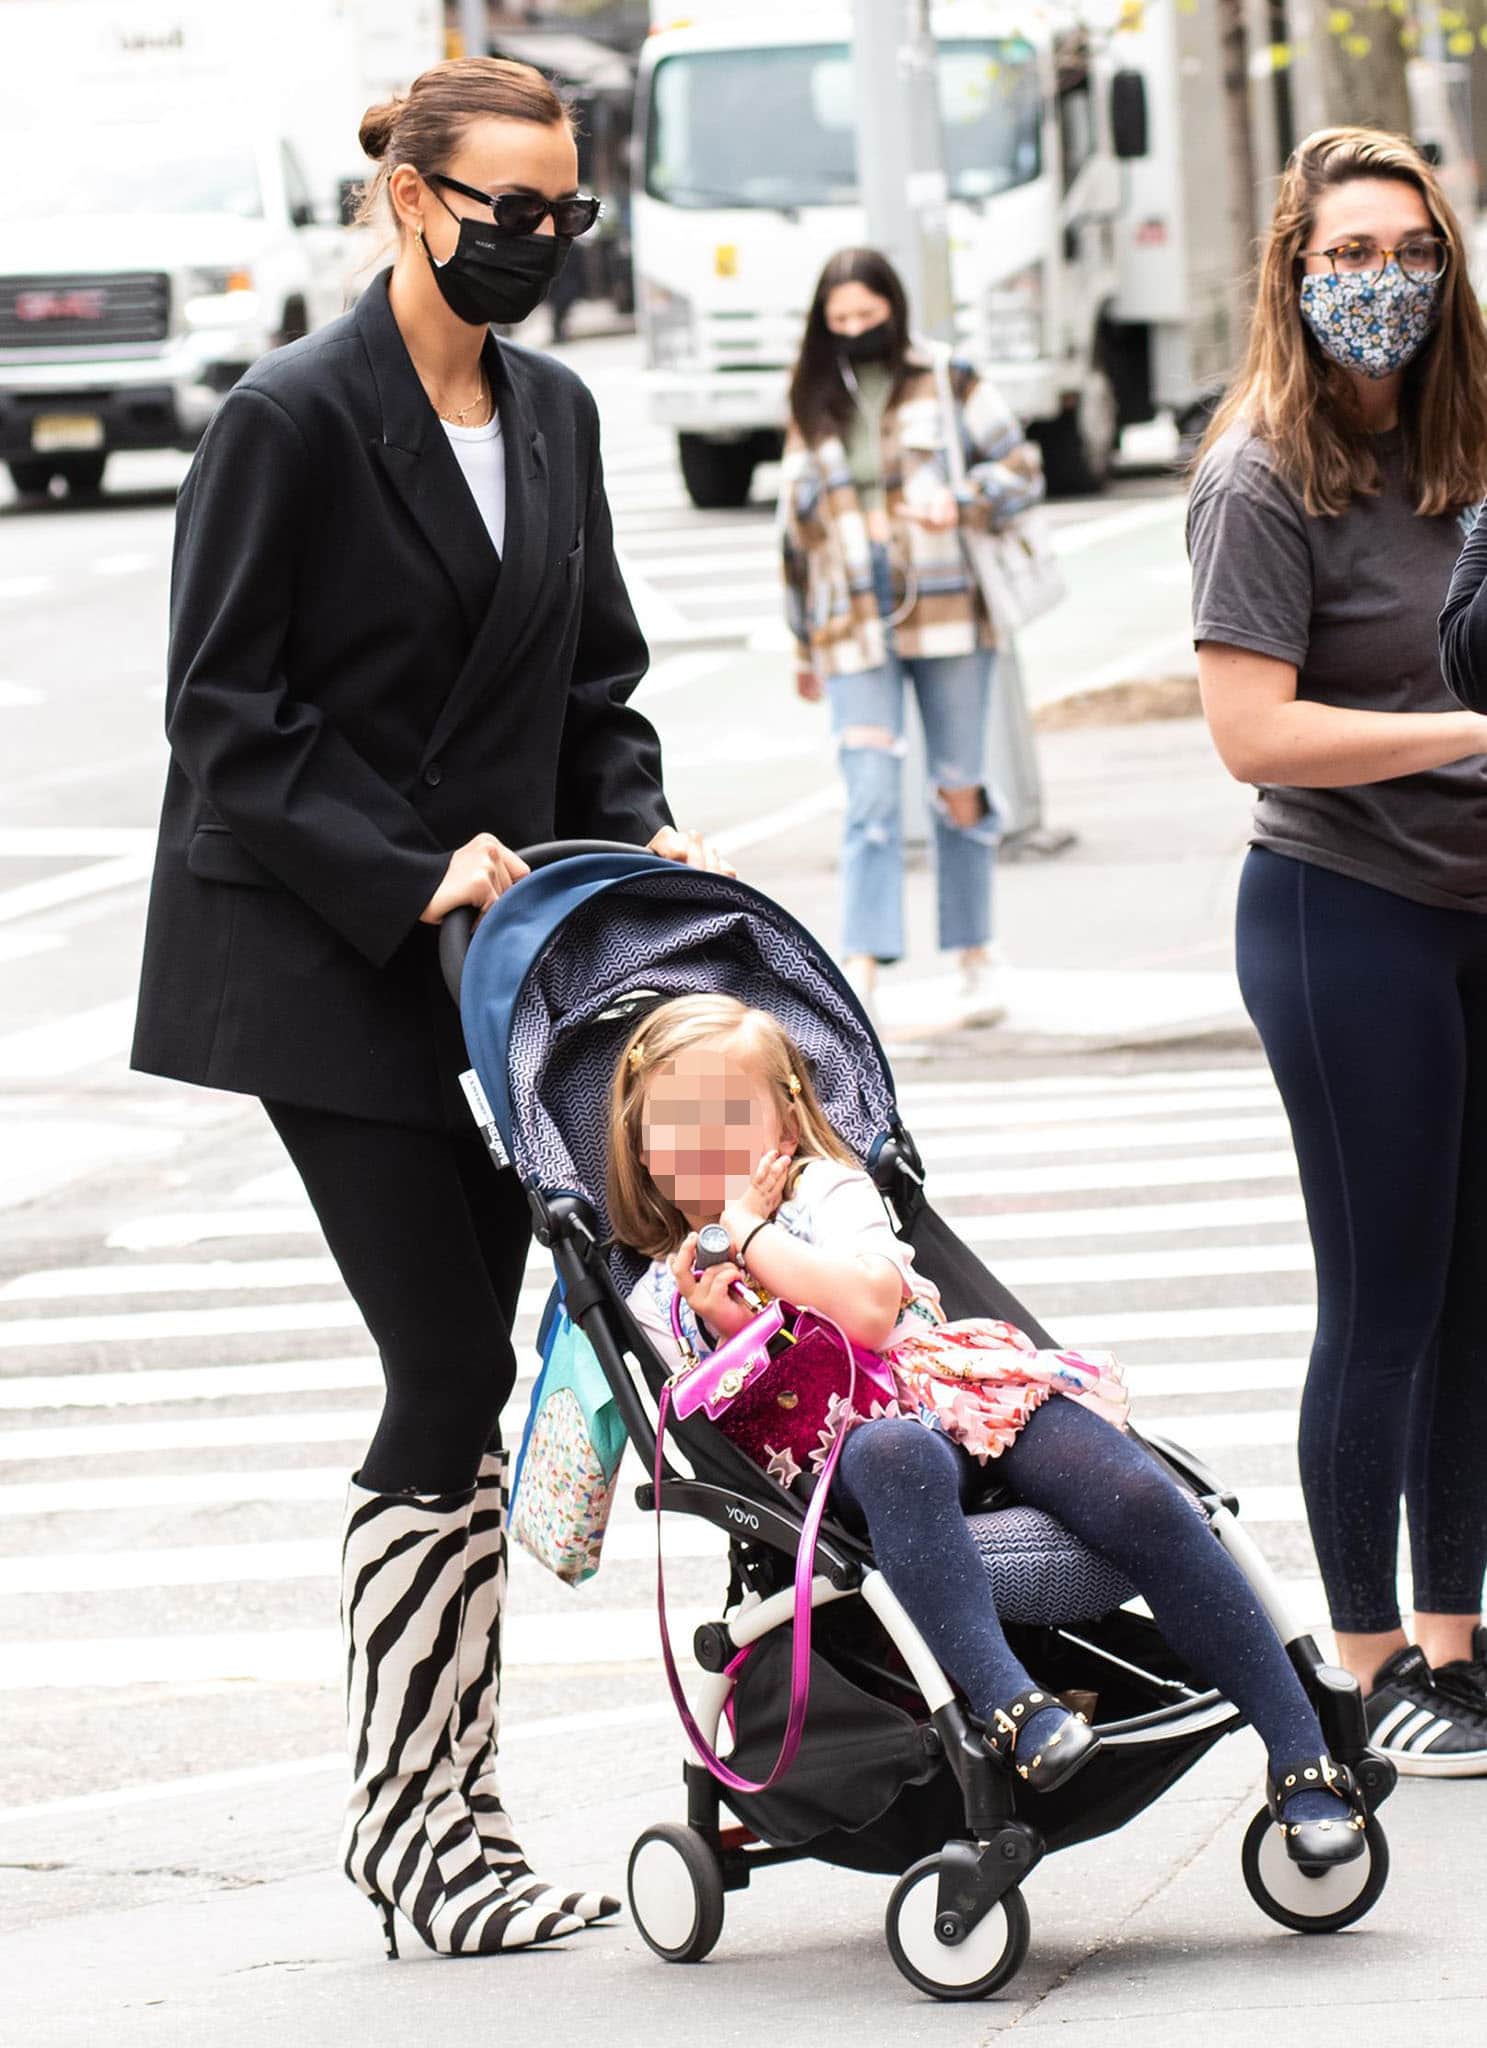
(878, 595)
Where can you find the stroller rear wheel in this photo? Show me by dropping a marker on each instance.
(676, 1893)
(943, 1960)
(1312, 1904)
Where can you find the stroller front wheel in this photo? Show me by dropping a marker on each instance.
(968, 1965)
(1312, 1904)
(676, 1893)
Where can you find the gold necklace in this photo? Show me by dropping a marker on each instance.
(458, 416)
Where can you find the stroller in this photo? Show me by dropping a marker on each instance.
(891, 1775)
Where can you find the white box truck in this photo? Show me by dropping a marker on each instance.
(177, 208)
(1090, 239)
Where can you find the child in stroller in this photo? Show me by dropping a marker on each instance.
(570, 974)
(715, 1120)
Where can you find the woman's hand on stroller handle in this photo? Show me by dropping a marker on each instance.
(691, 849)
(478, 872)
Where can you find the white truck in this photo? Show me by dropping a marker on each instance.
(178, 208)
(1088, 218)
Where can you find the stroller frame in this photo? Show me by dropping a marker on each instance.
(957, 1924)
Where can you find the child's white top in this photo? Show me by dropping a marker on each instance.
(834, 1207)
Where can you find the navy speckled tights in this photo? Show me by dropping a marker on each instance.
(911, 1485)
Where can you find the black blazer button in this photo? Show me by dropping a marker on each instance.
(433, 775)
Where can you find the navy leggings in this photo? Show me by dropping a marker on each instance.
(1373, 1013)
(911, 1484)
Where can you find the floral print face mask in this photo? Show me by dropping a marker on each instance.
(1374, 325)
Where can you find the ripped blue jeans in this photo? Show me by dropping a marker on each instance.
(867, 719)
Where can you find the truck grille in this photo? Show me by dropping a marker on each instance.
(89, 312)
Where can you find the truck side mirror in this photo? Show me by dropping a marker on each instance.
(1128, 114)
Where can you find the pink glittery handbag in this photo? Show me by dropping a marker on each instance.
(779, 1388)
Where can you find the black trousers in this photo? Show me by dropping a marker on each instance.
(432, 1242)
(1373, 1012)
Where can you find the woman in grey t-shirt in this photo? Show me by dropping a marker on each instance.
(1326, 518)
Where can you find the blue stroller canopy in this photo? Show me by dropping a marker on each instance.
(563, 964)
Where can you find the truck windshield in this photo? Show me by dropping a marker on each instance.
(133, 170)
(774, 127)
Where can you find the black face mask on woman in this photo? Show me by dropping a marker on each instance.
(495, 279)
(870, 346)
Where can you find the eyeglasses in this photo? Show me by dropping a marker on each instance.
(1421, 258)
(522, 213)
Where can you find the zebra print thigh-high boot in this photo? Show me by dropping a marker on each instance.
(409, 1841)
(477, 1718)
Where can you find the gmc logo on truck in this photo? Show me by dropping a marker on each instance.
(84, 305)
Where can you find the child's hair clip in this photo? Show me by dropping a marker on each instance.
(635, 1055)
(792, 1082)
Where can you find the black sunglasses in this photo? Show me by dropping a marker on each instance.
(522, 213)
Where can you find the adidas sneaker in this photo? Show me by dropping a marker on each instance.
(1465, 1678)
(1427, 1730)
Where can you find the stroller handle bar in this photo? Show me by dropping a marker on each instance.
(458, 926)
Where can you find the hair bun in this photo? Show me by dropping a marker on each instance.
(377, 124)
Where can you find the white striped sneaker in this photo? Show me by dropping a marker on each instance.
(1428, 1732)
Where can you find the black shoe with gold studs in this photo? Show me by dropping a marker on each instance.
(1319, 1844)
(1058, 1756)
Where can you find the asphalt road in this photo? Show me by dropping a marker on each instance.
(184, 1386)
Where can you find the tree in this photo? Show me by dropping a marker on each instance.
(1361, 52)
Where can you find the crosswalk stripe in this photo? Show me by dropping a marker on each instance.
(165, 1233)
(1130, 1176)
(172, 1490)
(353, 1427)
(152, 1491)
(149, 1326)
(612, 1635)
(1094, 1135)
(1166, 1081)
(187, 1383)
(173, 1232)
(160, 1386)
(229, 1564)
(1010, 1112)
(1128, 1219)
(214, 1433)
(1115, 1327)
(77, 1283)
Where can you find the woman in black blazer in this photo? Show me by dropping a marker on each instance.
(398, 630)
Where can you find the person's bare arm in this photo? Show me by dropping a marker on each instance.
(1267, 735)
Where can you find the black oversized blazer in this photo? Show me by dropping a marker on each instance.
(356, 687)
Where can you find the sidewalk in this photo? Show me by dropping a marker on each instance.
(1125, 939)
(1150, 1929)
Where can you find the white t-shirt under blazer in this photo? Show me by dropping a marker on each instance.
(481, 455)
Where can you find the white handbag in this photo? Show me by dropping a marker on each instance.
(1016, 570)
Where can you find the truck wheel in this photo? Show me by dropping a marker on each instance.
(1078, 446)
(30, 478)
(716, 473)
(82, 474)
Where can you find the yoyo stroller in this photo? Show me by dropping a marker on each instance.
(891, 1775)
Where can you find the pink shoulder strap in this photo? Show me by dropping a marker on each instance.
(805, 1571)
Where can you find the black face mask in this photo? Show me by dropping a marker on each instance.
(870, 346)
(495, 279)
